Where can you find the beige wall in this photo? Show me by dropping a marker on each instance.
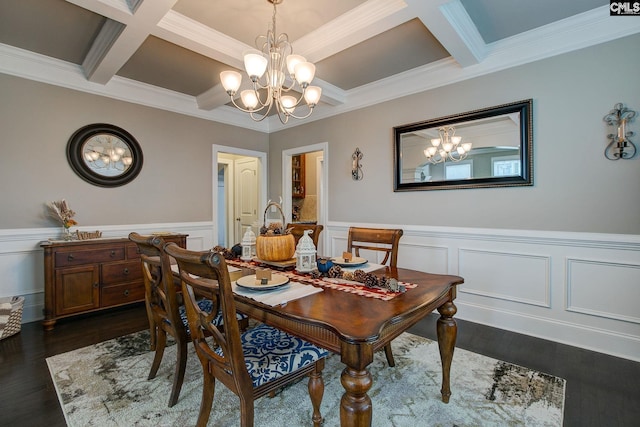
(575, 187)
(175, 182)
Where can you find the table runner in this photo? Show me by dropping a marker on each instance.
(338, 284)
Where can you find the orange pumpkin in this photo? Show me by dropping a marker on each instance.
(279, 247)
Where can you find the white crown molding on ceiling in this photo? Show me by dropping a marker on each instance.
(583, 30)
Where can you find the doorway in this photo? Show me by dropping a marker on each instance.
(239, 192)
(318, 166)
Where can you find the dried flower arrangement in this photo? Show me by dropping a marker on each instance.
(60, 211)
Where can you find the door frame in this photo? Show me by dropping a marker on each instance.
(262, 174)
(287, 155)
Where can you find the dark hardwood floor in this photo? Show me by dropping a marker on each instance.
(601, 390)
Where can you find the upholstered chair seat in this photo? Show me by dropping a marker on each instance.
(270, 353)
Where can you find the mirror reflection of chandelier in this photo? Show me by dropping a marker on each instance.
(271, 57)
(447, 147)
(107, 152)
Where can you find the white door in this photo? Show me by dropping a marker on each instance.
(246, 192)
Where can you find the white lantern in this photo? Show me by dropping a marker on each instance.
(305, 253)
(248, 245)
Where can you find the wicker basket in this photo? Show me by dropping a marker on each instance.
(275, 247)
(10, 316)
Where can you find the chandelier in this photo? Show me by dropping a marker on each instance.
(272, 87)
(447, 147)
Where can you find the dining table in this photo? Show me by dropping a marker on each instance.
(355, 321)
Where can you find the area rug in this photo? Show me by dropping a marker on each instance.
(106, 385)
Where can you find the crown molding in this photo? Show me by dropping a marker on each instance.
(33, 66)
(584, 30)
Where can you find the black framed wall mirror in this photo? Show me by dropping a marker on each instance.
(104, 155)
(491, 147)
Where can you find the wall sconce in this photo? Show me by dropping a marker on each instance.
(620, 146)
(356, 167)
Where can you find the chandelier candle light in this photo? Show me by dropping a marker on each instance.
(274, 52)
(447, 147)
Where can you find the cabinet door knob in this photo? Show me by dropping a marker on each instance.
(95, 285)
(113, 253)
(126, 271)
(70, 257)
(126, 292)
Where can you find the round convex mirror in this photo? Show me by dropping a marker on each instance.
(104, 155)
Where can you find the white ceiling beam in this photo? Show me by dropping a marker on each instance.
(355, 26)
(190, 34)
(116, 42)
(118, 10)
(449, 22)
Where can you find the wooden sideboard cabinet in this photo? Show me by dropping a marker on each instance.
(81, 276)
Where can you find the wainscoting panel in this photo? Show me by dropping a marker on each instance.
(580, 289)
(558, 286)
(510, 276)
(586, 281)
(418, 256)
(22, 259)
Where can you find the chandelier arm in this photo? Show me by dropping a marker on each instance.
(258, 110)
(301, 117)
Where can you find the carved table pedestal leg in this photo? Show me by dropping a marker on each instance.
(447, 332)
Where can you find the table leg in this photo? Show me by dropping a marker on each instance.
(355, 405)
(447, 332)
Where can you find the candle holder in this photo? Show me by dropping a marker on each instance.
(356, 167)
(620, 146)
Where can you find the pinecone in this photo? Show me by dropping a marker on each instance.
(315, 274)
(370, 281)
(335, 271)
(359, 275)
(347, 275)
(383, 282)
(226, 253)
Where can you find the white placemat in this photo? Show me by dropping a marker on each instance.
(174, 267)
(367, 267)
(279, 296)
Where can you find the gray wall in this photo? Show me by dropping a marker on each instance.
(175, 182)
(575, 187)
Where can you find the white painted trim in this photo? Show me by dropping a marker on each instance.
(599, 324)
(584, 30)
(604, 329)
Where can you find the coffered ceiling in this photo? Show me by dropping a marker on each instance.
(168, 53)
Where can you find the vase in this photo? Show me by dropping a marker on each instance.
(66, 233)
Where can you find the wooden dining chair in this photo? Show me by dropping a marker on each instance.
(251, 364)
(298, 231)
(164, 306)
(384, 240)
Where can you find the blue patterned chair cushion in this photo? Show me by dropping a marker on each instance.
(205, 305)
(270, 353)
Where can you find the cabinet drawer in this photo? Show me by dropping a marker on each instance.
(68, 258)
(121, 294)
(133, 252)
(119, 272)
